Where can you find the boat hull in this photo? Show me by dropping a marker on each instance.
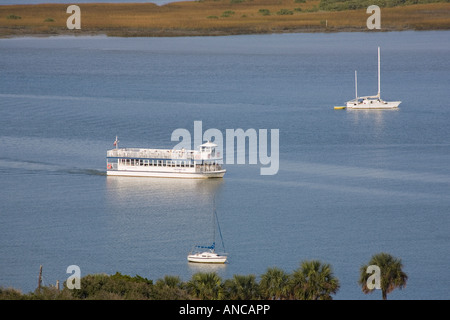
(370, 106)
(201, 258)
(166, 174)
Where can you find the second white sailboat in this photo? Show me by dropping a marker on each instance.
(371, 102)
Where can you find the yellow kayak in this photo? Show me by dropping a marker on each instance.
(339, 108)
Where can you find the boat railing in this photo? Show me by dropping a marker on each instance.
(151, 153)
(160, 154)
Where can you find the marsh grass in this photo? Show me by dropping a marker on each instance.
(213, 17)
(13, 16)
(227, 13)
(264, 12)
(283, 11)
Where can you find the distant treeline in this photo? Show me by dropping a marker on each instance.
(313, 280)
(339, 5)
(274, 284)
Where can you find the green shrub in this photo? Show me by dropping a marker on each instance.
(227, 13)
(264, 12)
(117, 286)
(285, 12)
(313, 9)
(13, 17)
(10, 294)
(338, 5)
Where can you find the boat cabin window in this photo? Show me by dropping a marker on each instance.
(211, 150)
(158, 163)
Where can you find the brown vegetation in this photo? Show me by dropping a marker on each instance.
(212, 17)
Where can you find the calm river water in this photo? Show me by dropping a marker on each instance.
(350, 183)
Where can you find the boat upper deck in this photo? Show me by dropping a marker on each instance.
(139, 153)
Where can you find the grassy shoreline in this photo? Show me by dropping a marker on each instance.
(212, 18)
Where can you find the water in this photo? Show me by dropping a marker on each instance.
(351, 183)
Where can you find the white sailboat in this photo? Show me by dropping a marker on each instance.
(371, 102)
(207, 254)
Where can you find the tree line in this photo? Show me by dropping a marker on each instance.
(313, 280)
(339, 5)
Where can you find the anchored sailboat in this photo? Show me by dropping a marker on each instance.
(371, 102)
(207, 254)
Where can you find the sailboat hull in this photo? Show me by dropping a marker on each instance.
(206, 257)
(373, 104)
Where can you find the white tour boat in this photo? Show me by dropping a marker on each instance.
(371, 102)
(201, 164)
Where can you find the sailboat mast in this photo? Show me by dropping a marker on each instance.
(214, 222)
(356, 86)
(379, 80)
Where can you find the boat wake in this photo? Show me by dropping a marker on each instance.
(26, 166)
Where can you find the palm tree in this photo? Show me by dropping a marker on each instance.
(242, 287)
(170, 288)
(314, 281)
(274, 284)
(206, 286)
(391, 274)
